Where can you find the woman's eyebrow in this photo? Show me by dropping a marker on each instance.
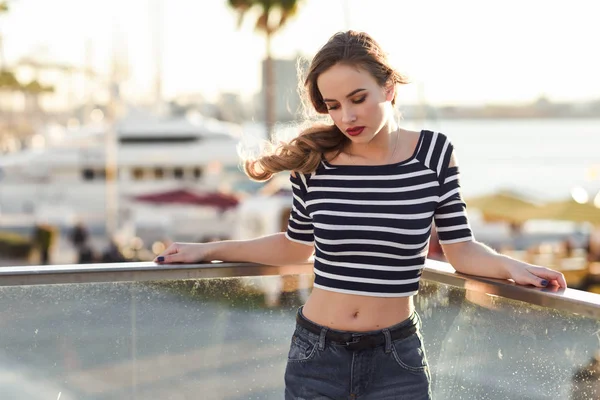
(352, 93)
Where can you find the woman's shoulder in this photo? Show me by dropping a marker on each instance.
(434, 149)
(412, 138)
(433, 141)
(336, 157)
(438, 136)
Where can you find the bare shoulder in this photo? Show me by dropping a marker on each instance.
(336, 158)
(409, 140)
(411, 137)
(453, 161)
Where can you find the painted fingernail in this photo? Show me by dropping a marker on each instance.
(544, 282)
(161, 259)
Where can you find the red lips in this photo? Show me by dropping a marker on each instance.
(355, 130)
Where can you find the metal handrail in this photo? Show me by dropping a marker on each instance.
(570, 300)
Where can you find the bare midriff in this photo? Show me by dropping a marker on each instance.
(348, 312)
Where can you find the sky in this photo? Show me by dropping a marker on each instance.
(455, 52)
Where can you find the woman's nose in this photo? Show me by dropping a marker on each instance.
(348, 117)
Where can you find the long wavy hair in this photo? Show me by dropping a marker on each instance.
(304, 153)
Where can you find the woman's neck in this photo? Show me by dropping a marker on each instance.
(380, 147)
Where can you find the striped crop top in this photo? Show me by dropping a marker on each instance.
(371, 225)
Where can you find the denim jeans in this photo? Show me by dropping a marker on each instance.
(320, 369)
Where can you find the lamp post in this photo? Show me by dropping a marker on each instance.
(111, 156)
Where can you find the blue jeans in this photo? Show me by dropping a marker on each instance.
(318, 368)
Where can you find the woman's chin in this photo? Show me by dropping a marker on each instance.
(363, 138)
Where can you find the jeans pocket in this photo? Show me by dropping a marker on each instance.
(302, 348)
(409, 353)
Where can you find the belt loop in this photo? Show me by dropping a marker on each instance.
(417, 320)
(322, 338)
(388, 340)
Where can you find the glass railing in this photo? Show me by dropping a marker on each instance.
(221, 331)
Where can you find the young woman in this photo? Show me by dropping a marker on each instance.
(366, 194)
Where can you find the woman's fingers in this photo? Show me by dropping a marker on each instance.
(170, 254)
(543, 277)
(182, 253)
(170, 258)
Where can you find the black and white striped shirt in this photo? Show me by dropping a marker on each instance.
(371, 225)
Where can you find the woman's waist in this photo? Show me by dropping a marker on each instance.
(356, 313)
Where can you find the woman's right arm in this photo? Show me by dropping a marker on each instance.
(291, 247)
(275, 249)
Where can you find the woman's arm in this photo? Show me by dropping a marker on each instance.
(471, 257)
(474, 258)
(275, 249)
(294, 246)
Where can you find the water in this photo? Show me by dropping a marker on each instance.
(542, 158)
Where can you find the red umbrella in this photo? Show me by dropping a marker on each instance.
(218, 200)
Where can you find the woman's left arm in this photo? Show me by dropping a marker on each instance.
(475, 258)
(463, 252)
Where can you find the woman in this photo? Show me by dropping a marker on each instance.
(366, 194)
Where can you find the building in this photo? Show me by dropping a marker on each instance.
(288, 105)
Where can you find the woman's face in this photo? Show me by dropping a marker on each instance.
(358, 105)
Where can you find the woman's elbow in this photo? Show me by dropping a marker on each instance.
(456, 252)
(300, 252)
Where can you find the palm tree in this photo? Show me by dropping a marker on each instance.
(8, 80)
(273, 15)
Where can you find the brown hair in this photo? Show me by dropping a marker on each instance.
(304, 153)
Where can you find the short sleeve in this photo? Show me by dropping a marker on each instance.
(300, 225)
(450, 216)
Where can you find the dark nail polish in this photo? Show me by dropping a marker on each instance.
(161, 259)
(544, 282)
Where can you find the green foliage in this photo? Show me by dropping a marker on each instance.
(14, 245)
(273, 15)
(8, 81)
(34, 87)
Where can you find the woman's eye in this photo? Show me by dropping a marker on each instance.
(354, 101)
(359, 100)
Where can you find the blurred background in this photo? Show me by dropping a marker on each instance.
(121, 122)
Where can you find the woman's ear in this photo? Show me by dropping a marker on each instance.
(390, 91)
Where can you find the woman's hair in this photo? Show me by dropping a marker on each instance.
(304, 153)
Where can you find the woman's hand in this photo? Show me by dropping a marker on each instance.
(185, 253)
(528, 274)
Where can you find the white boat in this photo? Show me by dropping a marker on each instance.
(66, 179)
